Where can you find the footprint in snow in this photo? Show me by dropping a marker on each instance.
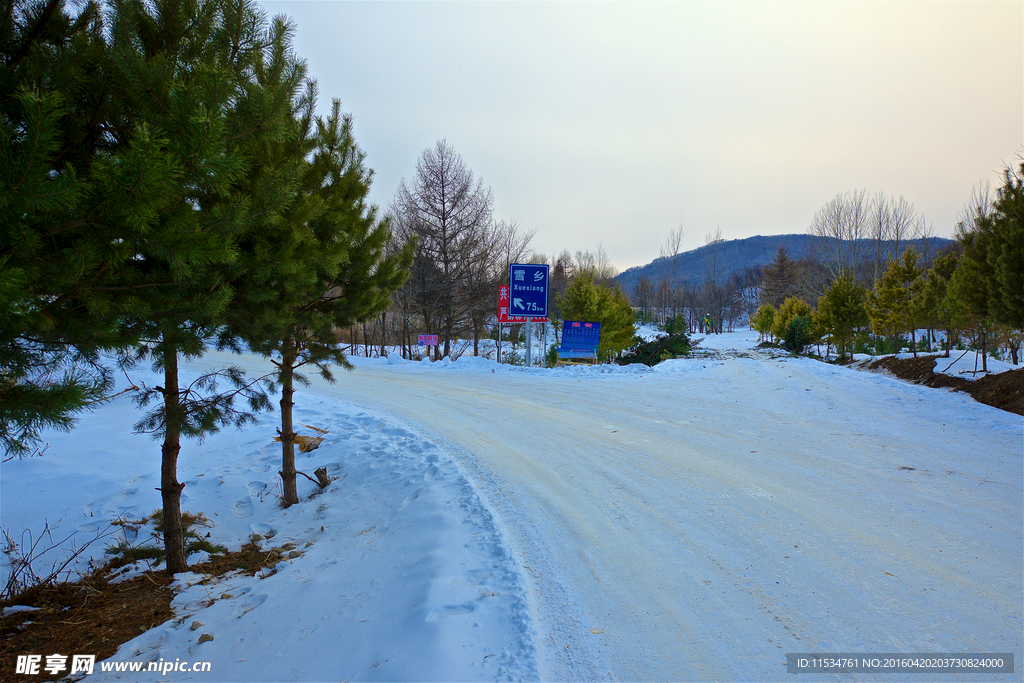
(450, 611)
(93, 527)
(243, 508)
(250, 604)
(255, 488)
(263, 529)
(474, 577)
(408, 501)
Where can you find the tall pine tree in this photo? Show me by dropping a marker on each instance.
(841, 312)
(1004, 230)
(890, 305)
(128, 135)
(205, 82)
(56, 252)
(316, 263)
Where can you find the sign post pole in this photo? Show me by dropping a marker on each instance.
(529, 342)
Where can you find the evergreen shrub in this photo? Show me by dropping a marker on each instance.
(675, 325)
(799, 333)
(653, 352)
(153, 549)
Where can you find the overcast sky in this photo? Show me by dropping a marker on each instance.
(616, 123)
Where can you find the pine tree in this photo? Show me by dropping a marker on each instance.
(316, 265)
(763, 320)
(966, 303)
(841, 312)
(53, 251)
(620, 322)
(890, 305)
(779, 278)
(586, 300)
(928, 299)
(132, 142)
(210, 80)
(986, 289)
(791, 308)
(1006, 225)
(148, 135)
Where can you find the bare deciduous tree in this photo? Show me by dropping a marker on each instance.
(643, 295)
(596, 263)
(978, 206)
(670, 252)
(714, 297)
(837, 230)
(449, 212)
(893, 222)
(856, 234)
(508, 243)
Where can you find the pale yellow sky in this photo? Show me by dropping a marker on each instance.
(617, 122)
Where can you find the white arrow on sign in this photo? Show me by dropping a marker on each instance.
(518, 303)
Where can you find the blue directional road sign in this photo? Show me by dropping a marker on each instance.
(528, 290)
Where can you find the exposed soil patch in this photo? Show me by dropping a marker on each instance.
(95, 615)
(1004, 390)
(89, 617)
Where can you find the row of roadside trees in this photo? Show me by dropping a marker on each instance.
(712, 305)
(973, 289)
(853, 233)
(167, 187)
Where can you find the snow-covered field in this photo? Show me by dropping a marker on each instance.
(694, 521)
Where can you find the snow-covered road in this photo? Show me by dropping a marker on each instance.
(700, 520)
(693, 521)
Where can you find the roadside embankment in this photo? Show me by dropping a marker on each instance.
(1004, 390)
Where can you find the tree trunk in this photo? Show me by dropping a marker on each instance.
(448, 335)
(288, 355)
(170, 488)
(984, 360)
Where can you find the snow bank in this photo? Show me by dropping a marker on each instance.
(399, 571)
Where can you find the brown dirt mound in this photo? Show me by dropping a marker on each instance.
(96, 615)
(89, 617)
(1004, 390)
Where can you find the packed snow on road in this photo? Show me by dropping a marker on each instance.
(693, 521)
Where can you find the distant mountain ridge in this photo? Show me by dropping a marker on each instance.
(733, 256)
